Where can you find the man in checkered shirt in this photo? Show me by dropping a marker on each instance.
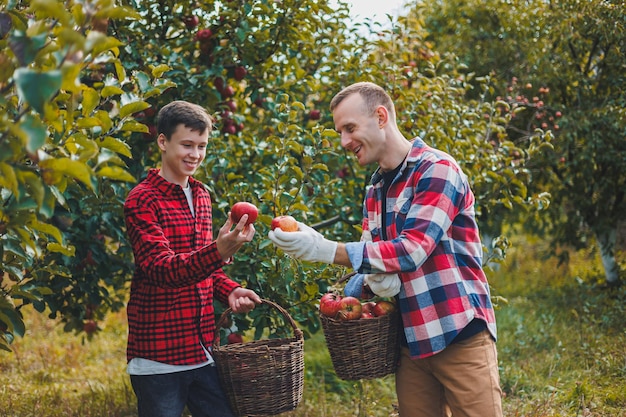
(420, 244)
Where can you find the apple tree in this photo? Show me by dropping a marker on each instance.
(66, 110)
(562, 65)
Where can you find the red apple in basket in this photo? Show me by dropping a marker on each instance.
(383, 307)
(350, 308)
(368, 307)
(366, 315)
(330, 304)
(286, 223)
(241, 208)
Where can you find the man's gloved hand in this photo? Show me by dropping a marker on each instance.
(306, 244)
(384, 285)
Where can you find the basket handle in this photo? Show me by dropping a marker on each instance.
(346, 277)
(297, 332)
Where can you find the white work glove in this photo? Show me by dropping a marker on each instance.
(383, 285)
(306, 244)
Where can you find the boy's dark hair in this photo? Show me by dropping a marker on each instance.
(182, 112)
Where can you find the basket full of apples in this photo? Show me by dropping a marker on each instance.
(362, 336)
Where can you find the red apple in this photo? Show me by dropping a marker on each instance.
(330, 304)
(259, 101)
(239, 209)
(366, 315)
(240, 73)
(219, 83)
(286, 223)
(350, 308)
(232, 105)
(90, 326)
(204, 35)
(368, 307)
(315, 114)
(234, 338)
(191, 21)
(228, 91)
(383, 307)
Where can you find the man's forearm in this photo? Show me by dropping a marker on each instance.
(341, 256)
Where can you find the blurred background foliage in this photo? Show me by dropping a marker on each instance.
(81, 83)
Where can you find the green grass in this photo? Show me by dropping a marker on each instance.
(562, 352)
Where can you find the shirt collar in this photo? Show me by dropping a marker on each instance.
(417, 147)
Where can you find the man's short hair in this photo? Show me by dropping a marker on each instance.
(373, 96)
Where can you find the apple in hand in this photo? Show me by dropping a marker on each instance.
(286, 223)
(383, 307)
(239, 209)
(350, 308)
(330, 304)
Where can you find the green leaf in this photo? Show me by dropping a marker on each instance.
(37, 88)
(33, 184)
(111, 90)
(71, 77)
(36, 133)
(48, 229)
(51, 9)
(72, 168)
(12, 318)
(65, 250)
(115, 145)
(26, 48)
(132, 108)
(116, 173)
(91, 98)
(8, 178)
(79, 144)
(134, 126)
(157, 72)
(98, 42)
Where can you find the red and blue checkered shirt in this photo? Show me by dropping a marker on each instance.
(178, 271)
(431, 240)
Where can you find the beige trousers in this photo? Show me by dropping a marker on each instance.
(461, 381)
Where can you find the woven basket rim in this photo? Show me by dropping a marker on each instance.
(298, 334)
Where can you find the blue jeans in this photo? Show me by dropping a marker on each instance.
(165, 395)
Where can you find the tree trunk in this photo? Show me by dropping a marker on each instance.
(607, 240)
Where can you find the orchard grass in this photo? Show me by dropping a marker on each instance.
(561, 348)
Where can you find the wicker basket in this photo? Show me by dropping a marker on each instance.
(363, 348)
(262, 377)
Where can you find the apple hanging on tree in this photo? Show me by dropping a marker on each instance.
(240, 73)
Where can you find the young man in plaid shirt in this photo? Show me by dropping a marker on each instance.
(420, 244)
(178, 272)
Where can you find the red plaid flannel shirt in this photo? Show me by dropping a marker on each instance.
(178, 271)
